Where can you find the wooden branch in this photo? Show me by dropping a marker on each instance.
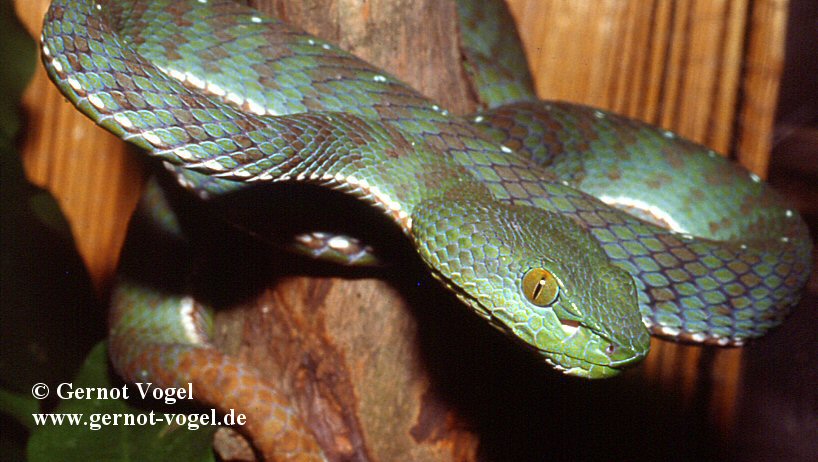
(682, 65)
(764, 62)
(348, 351)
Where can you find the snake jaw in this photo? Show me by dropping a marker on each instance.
(576, 368)
(600, 358)
(575, 334)
(592, 343)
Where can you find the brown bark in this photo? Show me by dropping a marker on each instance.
(348, 351)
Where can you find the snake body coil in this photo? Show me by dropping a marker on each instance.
(567, 227)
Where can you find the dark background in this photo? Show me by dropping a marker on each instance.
(777, 416)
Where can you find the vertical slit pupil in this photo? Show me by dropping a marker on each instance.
(539, 288)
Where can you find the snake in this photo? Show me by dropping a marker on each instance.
(576, 231)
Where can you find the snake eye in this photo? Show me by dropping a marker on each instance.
(540, 287)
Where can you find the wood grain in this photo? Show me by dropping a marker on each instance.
(764, 61)
(89, 171)
(690, 65)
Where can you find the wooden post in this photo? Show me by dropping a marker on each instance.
(350, 351)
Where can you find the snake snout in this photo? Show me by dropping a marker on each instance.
(623, 355)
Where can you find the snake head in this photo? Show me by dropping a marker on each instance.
(539, 276)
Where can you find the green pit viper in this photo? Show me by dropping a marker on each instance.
(571, 229)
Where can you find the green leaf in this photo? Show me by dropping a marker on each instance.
(161, 442)
(18, 55)
(45, 208)
(19, 406)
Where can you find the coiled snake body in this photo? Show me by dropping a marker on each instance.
(570, 228)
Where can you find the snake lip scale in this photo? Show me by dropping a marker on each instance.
(576, 231)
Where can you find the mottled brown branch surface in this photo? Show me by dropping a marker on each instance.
(347, 350)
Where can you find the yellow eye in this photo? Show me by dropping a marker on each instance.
(540, 287)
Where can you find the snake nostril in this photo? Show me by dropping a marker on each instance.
(611, 349)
